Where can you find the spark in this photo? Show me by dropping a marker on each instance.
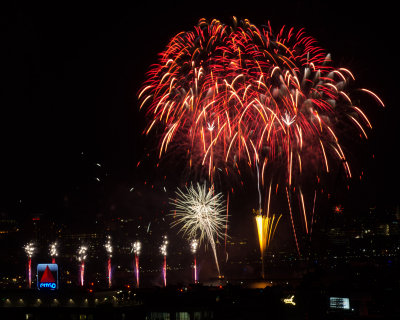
(288, 120)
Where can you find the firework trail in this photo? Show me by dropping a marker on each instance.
(194, 244)
(200, 214)
(29, 250)
(53, 251)
(109, 249)
(163, 251)
(82, 254)
(136, 248)
(222, 95)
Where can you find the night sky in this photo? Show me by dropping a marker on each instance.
(69, 115)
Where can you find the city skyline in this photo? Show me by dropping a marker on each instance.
(73, 145)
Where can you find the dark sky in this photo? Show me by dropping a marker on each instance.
(70, 73)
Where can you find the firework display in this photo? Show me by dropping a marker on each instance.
(82, 254)
(30, 250)
(244, 102)
(163, 251)
(199, 212)
(194, 244)
(170, 161)
(223, 96)
(109, 251)
(136, 248)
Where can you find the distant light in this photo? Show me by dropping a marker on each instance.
(289, 301)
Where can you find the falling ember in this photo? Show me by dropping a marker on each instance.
(163, 250)
(137, 247)
(29, 250)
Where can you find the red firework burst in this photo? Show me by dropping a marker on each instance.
(221, 94)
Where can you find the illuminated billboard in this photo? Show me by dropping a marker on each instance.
(47, 276)
(339, 303)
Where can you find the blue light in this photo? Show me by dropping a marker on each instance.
(51, 285)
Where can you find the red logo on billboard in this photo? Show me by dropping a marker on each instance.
(47, 276)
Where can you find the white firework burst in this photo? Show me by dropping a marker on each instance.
(82, 253)
(30, 249)
(193, 246)
(199, 213)
(136, 247)
(108, 247)
(53, 250)
(164, 246)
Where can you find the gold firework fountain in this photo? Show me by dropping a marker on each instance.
(266, 227)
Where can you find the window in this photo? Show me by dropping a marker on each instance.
(182, 316)
(158, 316)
